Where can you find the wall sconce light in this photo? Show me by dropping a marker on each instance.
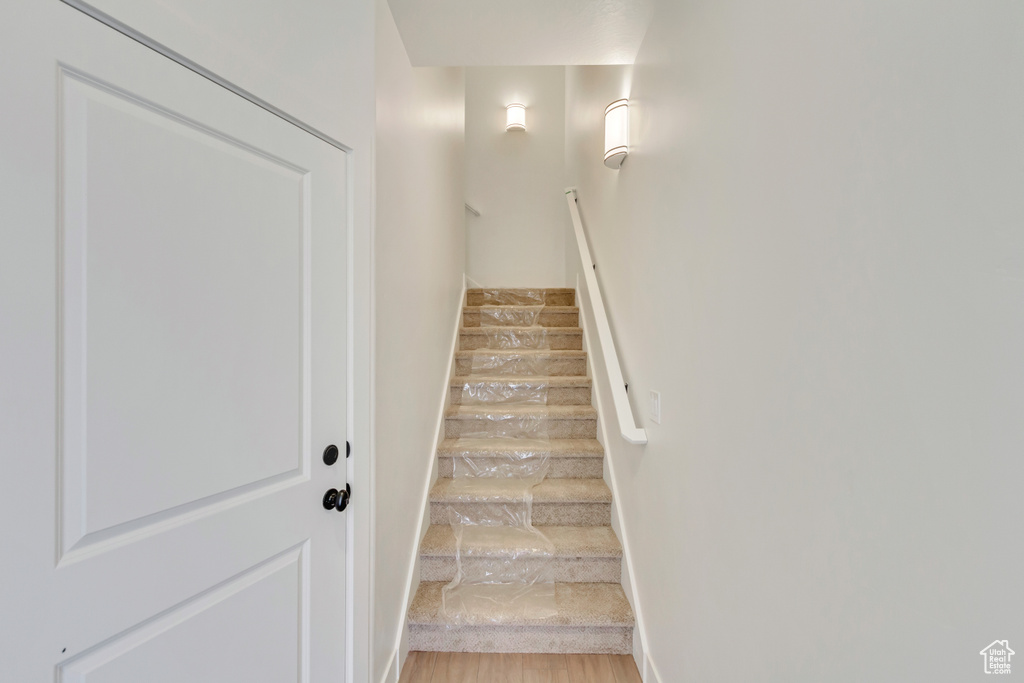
(616, 133)
(515, 117)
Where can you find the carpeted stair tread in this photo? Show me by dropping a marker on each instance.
(578, 604)
(568, 541)
(479, 296)
(520, 329)
(552, 390)
(565, 338)
(526, 353)
(547, 492)
(567, 458)
(521, 316)
(523, 307)
(494, 446)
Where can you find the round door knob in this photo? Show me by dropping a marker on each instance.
(331, 455)
(338, 500)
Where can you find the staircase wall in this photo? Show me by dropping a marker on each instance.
(813, 252)
(512, 177)
(419, 255)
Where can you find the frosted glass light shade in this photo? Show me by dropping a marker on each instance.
(515, 117)
(616, 133)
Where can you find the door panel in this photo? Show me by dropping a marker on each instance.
(172, 263)
(182, 308)
(176, 646)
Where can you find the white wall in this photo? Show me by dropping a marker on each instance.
(815, 252)
(515, 179)
(420, 260)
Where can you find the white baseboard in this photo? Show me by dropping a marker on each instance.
(401, 647)
(649, 673)
(640, 655)
(391, 675)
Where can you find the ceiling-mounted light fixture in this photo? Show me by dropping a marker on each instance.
(515, 117)
(616, 133)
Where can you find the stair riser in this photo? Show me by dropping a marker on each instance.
(554, 396)
(553, 514)
(554, 367)
(615, 640)
(558, 468)
(506, 298)
(558, 341)
(565, 570)
(547, 317)
(552, 427)
(471, 342)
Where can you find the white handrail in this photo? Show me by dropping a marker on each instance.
(471, 209)
(627, 426)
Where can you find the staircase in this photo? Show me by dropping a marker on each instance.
(571, 506)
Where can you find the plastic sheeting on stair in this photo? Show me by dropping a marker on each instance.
(528, 464)
(512, 297)
(518, 338)
(512, 495)
(517, 316)
(525, 364)
(501, 392)
(510, 448)
(509, 423)
(500, 457)
(503, 564)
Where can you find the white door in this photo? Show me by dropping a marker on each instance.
(172, 367)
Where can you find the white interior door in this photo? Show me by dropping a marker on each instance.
(172, 353)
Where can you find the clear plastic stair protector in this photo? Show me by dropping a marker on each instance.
(516, 316)
(511, 364)
(503, 564)
(534, 337)
(503, 567)
(523, 391)
(525, 364)
(511, 308)
(512, 297)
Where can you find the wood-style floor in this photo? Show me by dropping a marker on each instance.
(463, 667)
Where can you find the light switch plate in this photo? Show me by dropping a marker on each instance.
(655, 408)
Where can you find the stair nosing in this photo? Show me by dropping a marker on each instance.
(584, 411)
(546, 307)
(505, 379)
(566, 353)
(520, 328)
(481, 290)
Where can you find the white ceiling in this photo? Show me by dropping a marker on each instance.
(521, 32)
